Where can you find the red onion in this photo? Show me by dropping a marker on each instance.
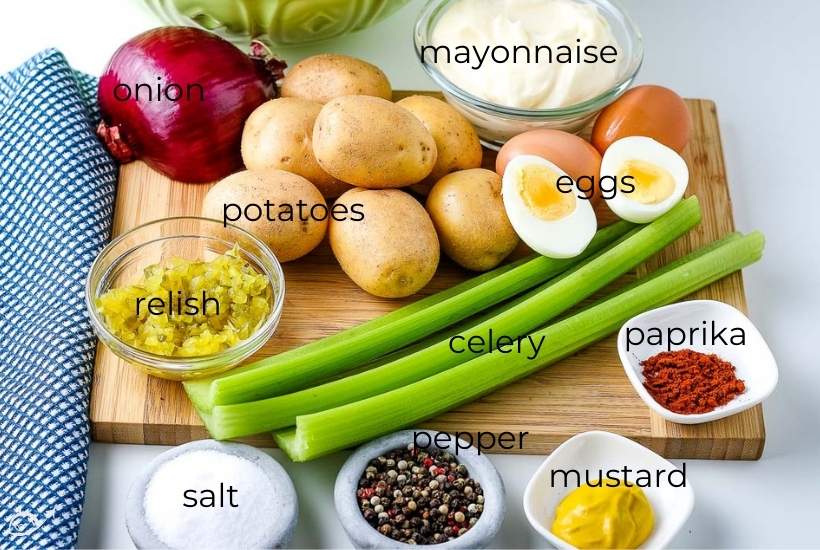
(177, 98)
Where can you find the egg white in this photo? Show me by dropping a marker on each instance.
(649, 150)
(563, 238)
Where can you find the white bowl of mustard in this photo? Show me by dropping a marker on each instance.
(603, 451)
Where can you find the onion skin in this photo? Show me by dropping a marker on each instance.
(193, 139)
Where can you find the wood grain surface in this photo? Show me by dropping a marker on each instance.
(588, 391)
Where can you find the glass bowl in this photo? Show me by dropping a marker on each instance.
(495, 123)
(123, 260)
(275, 22)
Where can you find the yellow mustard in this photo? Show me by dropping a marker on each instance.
(604, 517)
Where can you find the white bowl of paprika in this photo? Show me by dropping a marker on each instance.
(697, 361)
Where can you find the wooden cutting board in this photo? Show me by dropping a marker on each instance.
(588, 391)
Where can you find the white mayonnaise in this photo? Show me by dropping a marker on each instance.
(492, 47)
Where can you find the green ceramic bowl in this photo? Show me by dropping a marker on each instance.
(276, 22)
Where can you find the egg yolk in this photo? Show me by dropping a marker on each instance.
(653, 183)
(538, 188)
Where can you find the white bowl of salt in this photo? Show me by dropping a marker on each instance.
(210, 494)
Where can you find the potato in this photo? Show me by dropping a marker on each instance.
(394, 251)
(456, 140)
(326, 76)
(241, 199)
(373, 143)
(470, 219)
(279, 134)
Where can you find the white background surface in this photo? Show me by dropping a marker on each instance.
(758, 60)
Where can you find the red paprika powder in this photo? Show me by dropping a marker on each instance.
(689, 382)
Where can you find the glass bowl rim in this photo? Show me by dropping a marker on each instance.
(198, 363)
(421, 36)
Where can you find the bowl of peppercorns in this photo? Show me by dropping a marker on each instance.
(395, 492)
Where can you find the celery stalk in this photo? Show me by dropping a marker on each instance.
(552, 299)
(300, 367)
(238, 419)
(334, 429)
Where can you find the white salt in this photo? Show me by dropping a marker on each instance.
(246, 525)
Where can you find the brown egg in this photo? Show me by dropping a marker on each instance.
(651, 111)
(570, 153)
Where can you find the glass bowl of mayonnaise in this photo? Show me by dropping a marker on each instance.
(515, 65)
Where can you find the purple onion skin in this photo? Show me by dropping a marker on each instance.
(193, 139)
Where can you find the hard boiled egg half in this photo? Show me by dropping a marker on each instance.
(651, 178)
(554, 220)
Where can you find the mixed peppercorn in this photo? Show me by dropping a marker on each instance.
(419, 497)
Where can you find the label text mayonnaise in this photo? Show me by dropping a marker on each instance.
(530, 54)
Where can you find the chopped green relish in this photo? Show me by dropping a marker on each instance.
(147, 315)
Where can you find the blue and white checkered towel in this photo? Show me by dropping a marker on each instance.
(56, 199)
